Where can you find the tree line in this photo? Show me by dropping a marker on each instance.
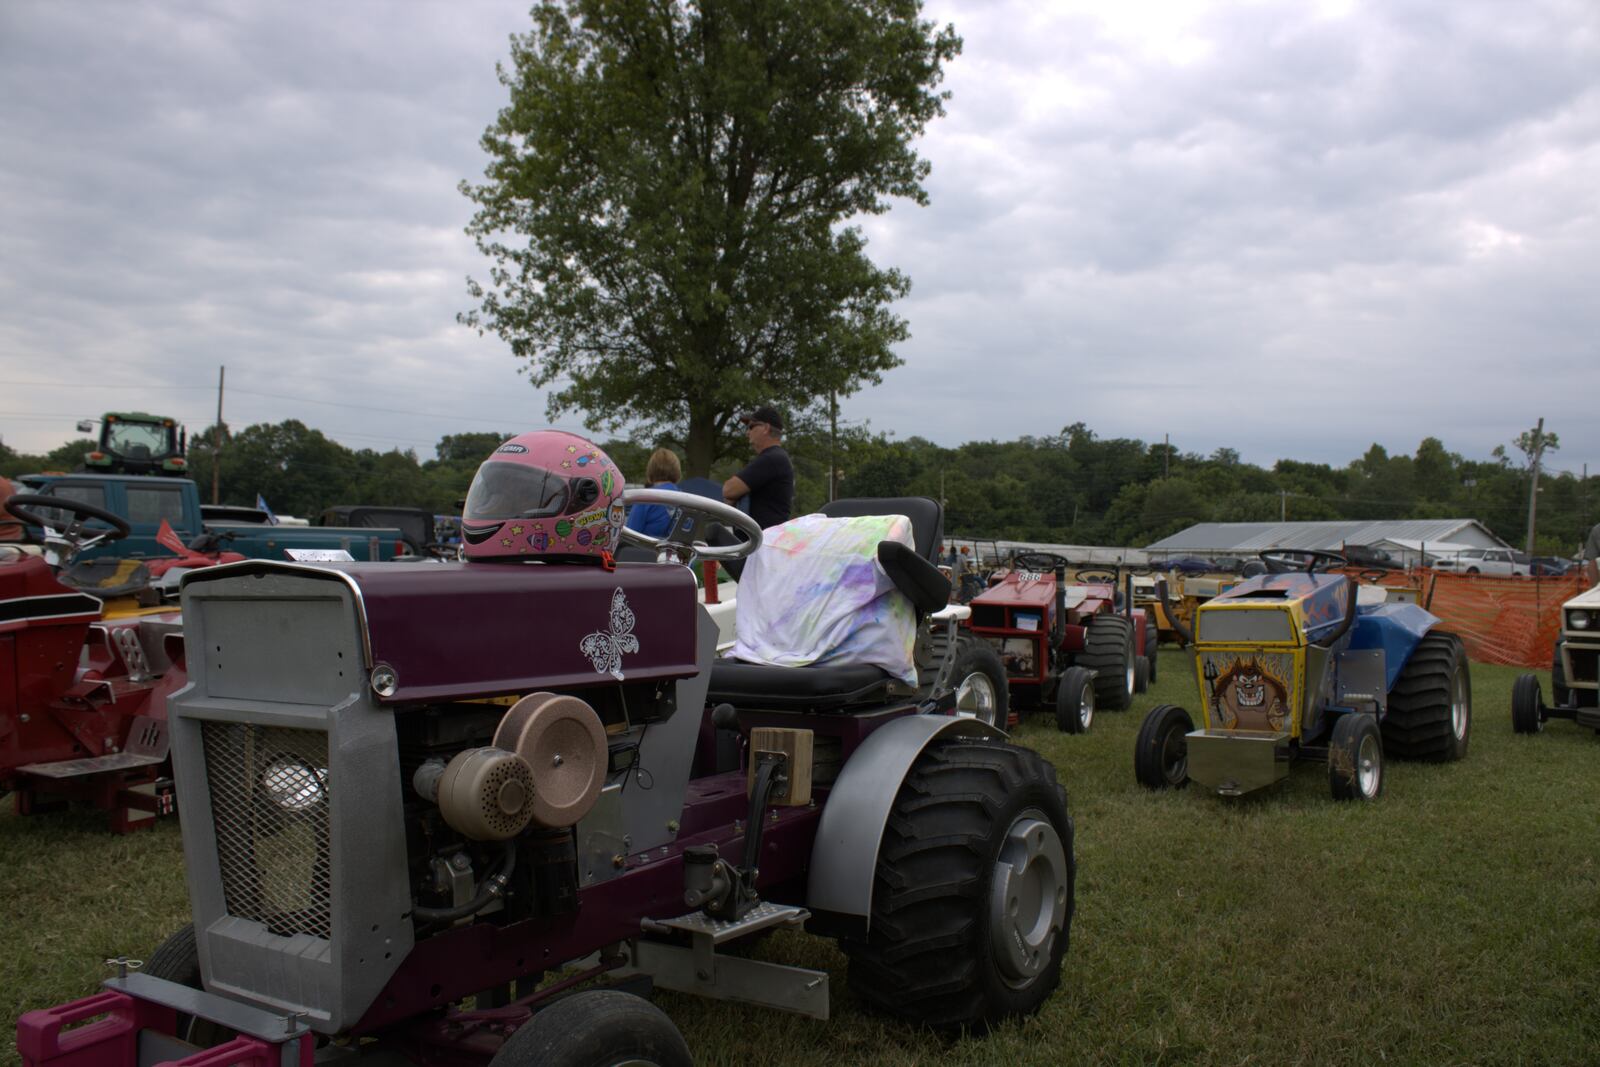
(1073, 487)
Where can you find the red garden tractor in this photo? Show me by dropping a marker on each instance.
(1064, 643)
(85, 671)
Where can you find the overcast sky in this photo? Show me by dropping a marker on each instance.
(1289, 228)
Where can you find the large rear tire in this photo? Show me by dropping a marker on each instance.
(1161, 755)
(1527, 705)
(973, 893)
(1430, 709)
(596, 1028)
(1108, 651)
(1152, 640)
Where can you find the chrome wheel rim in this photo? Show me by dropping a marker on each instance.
(976, 699)
(1027, 899)
(1459, 709)
(1086, 706)
(1129, 680)
(1369, 766)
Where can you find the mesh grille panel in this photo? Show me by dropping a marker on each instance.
(269, 804)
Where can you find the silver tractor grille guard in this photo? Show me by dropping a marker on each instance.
(269, 789)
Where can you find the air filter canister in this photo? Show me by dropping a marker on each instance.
(562, 739)
(487, 793)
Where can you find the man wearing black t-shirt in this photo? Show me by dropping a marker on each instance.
(768, 480)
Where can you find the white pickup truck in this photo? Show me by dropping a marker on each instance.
(1482, 561)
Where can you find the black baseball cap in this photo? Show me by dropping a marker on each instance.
(765, 413)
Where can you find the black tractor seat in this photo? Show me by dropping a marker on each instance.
(831, 688)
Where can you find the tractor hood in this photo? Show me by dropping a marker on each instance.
(1587, 599)
(461, 630)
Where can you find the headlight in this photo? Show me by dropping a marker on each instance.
(293, 785)
(1582, 619)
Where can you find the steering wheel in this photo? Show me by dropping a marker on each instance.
(1043, 562)
(682, 545)
(1310, 560)
(75, 537)
(1098, 576)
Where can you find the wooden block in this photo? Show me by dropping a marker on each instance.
(796, 744)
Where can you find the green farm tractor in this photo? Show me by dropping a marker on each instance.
(1295, 665)
(132, 442)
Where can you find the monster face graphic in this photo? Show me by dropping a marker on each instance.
(1247, 695)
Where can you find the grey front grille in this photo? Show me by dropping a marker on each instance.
(269, 806)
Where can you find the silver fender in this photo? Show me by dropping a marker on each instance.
(844, 856)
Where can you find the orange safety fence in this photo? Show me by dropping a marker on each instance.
(1513, 621)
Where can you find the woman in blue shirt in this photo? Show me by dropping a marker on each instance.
(662, 472)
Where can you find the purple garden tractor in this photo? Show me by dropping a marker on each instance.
(412, 795)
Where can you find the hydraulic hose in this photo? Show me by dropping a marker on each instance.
(493, 887)
(1185, 635)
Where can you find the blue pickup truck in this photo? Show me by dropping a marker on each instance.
(145, 501)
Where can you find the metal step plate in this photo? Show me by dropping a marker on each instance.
(699, 924)
(79, 768)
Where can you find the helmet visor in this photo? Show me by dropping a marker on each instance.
(516, 491)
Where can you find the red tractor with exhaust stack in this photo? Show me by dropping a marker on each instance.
(1064, 644)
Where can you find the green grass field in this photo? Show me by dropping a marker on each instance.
(1455, 921)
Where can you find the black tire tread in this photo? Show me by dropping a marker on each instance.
(1417, 723)
(591, 1028)
(921, 960)
(1147, 766)
(1525, 701)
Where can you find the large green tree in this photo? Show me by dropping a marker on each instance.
(669, 196)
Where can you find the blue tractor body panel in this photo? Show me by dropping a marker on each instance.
(1396, 629)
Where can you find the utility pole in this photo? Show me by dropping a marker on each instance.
(216, 444)
(1283, 505)
(1533, 488)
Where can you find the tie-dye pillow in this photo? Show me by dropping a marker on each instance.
(815, 594)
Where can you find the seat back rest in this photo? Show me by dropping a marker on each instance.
(927, 517)
(922, 582)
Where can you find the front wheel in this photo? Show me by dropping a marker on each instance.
(1527, 705)
(1355, 759)
(596, 1028)
(973, 893)
(177, 959)
(1161, 755)
(1075, 701)
(979, 680)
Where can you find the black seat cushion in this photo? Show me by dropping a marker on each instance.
(763, 687)
(927, 517)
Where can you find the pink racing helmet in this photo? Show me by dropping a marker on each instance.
(547, 494)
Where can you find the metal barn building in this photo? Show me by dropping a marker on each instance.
(1405, 539)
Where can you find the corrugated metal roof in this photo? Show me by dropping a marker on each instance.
(1248, 537)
